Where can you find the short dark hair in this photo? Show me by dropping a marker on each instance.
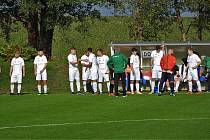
(40, 49)
(100, 50)
(158, 47)
(90, 50)
(190, 48)
(72, 48)
(134, 50)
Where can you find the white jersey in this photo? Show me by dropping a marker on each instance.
(102, 63)
(85, 60)
(40, 61)
(17, 66)
(92, 59)
(135, 61)
(72, 58)
(193, 60)
(157, 57)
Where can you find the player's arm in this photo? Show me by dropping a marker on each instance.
(110, 63)
(11, 70)
(198, 63)
(35, 69)
(24, 71)
(45, 66)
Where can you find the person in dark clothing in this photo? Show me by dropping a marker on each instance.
(118, 63)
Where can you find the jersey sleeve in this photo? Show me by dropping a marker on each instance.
(23, 62)
(152, 54)
(45, 60)
(12, 62)
(131, 59)
(69, 58)
(91, 58)
(197, 58)
(35, 61)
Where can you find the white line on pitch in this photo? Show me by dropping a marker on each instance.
(99, 122)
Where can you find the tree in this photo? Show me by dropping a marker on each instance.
(202, 19)
(41, 16)
(151, 19)
(180, 7)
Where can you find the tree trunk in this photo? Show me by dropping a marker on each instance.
(33, 30)
(46, 34)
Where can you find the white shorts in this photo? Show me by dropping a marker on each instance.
(74, 74)
(93, 74)
(135, 74)
(156, 72)
(85, 74)
(40, 77)
(16, 79)
(192, 74)
(103, 77)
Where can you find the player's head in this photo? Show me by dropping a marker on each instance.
(40, 52)
(117, 49)
(90, 50)
(134, 51)
(87, 53)
(99, 52)
(171, 51)
(73, 51)
(190, 51)
(158, 48)
(17, 54)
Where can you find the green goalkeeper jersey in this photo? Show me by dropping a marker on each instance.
(118, 62)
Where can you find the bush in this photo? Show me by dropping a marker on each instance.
(7, 52)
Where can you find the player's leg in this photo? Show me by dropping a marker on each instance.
(72, 74)
(132, 78)
(19, 81)
(123, 78)
(77, 77)
(94, 77)
(189, 77)
(195, 77)
(39, 84)
(162, 81)
(84, 80)
(12, 84)
(177, 83)
(106, 78)
(44, 78)
(100, 81)
(154, 77)
(116, 82)
(171, 83)
(138, 81)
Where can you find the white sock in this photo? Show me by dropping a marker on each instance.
(39, 89)
(85, 86)
(131, 85)
(12, 87)
(100, 87)
(94, 84)
(177, 86)
(152, 86)
(72, 87)
(158, 86)
(45, 88)
(108, 86)
(78, 86)
(190, 86)
(19, 88)
(137, 87)
(199, 86)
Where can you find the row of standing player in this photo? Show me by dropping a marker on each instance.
(187, 72)
(96, 69)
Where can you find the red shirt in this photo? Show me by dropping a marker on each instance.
(168, 62)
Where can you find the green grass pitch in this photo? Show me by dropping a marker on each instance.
(64, 116)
